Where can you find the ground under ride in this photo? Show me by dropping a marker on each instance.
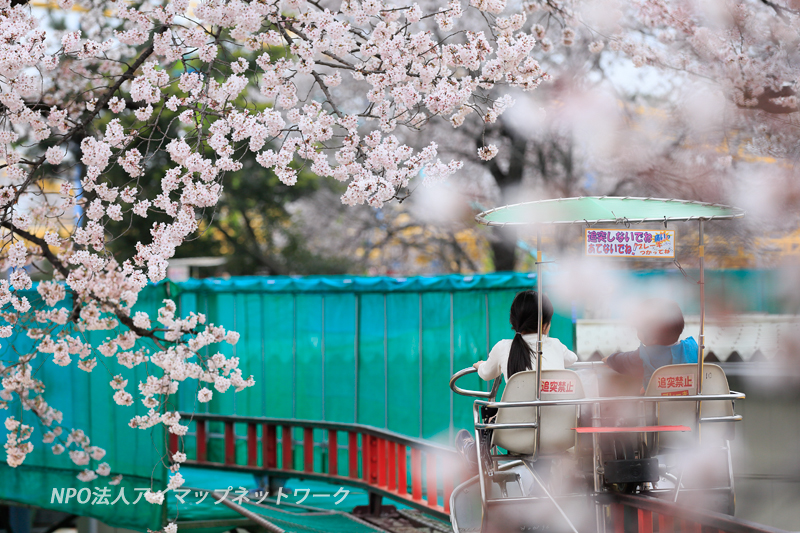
(564, 442)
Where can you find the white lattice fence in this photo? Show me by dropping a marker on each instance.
(744, 334)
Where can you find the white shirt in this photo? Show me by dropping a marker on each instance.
(555, 356)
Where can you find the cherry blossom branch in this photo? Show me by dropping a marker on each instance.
(46, 253)
(92, 114)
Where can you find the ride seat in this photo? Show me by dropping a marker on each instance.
(557, 421)
(681, 380)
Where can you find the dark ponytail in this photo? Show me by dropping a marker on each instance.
(525, 319)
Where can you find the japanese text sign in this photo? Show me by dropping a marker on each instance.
(558, 385)
(630, 243)
(675, 382)
(675, 385)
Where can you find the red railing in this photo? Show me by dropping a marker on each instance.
(382, 462)
(649, 514)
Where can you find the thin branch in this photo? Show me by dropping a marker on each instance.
(102, 102)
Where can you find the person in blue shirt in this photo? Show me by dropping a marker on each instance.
(659, 324)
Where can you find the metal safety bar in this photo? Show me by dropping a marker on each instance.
(520, 425)
(384, 463)
(616, 399)
(732, 418)
(733, 395)
(477, 394)
(534, 425)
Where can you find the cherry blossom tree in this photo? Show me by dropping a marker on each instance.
(291, 84)
(355, 91)
(638, 105)
(663, 98)
(742, 53)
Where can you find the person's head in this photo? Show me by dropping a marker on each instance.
(659, 321)
(524, 319)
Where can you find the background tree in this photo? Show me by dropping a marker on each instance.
(160, 106)
(646, 99)
(164, 102)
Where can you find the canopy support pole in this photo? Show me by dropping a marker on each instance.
(539, 291)
(701, 343)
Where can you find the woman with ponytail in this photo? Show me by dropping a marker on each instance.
(510, 356)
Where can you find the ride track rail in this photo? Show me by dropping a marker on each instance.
(647, 513)
(384, 463)
(391, 465)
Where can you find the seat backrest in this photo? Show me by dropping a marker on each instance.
(557, 421)
(681, 380)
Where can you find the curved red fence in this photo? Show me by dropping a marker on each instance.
(417, 472)
(652, 514)
(414, 471)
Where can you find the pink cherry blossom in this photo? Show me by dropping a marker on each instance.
(339, 91)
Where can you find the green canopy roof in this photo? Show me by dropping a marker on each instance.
(606, 210)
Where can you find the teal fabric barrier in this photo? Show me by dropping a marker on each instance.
(377, 351)
(360, 284)
(86, 402)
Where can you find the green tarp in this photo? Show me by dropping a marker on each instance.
(377, 351)
(86, 402)
(358, 284)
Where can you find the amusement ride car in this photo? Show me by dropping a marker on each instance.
(565, 441)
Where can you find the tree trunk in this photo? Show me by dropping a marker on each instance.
(504, 239)
(504, 248)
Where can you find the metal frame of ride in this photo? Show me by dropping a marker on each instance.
(662, 212)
